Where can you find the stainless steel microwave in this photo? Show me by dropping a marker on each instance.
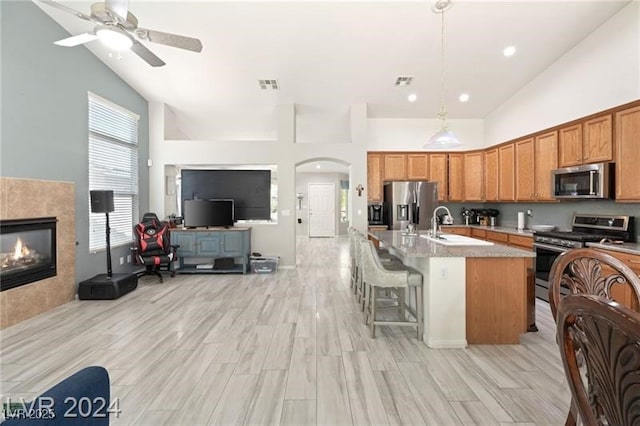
(580, 182)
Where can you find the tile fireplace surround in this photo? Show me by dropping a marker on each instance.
(28, 198)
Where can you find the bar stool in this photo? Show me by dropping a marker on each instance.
(401, 278)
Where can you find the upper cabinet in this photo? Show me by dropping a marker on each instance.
(570, 146)
(546, 159)
(506, 175)
(456, 177)
(520, 170)
(374, 177)
(395, 167)
(438, 174)
(524, 170)
(590, 141)
(473, 172)
(628, 155)
(417, 166)
(491, 169)
(597, 143)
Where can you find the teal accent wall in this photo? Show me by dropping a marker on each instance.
(44, 115)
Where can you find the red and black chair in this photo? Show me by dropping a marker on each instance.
(153, 246)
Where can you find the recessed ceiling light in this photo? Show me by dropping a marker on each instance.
(412, 97)
(464, 97)
(404, 80)
(509, 51)
(317, 166)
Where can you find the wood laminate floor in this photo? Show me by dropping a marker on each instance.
(289, 348)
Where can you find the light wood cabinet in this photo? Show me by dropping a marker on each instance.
(524, 170)
(506, 175)
(628, 155)
(374, 177)
(459, 230)
(418, 166)
(395, 167)
(438, 174)
(521, 241)
(590, 141)
(597, 143)
(570, 146)
(479, 233)
(456, 177)
(498, 237)
(473, 176)
(491, 169)
(546, 159)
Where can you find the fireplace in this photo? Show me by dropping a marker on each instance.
(27, 251)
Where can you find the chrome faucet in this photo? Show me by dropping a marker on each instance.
(434, 220)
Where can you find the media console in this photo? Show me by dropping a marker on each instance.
(200, 247)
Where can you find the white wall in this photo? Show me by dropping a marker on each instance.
(273, 239)
(410, 134)
(600, 72)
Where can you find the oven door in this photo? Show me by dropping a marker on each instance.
(546, 254)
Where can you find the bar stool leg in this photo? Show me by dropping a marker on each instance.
(419, 313)
(372, 304)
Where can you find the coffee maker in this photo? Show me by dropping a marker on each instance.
(374, 214)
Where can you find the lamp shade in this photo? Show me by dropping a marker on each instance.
(443, 139)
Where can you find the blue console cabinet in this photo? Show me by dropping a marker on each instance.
(200, 247)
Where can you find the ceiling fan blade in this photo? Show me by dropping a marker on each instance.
(76, 40)
(174, 40)
(146, 54)
(119, 7)
(67, 9)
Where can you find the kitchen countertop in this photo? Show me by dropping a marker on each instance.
(418, 246)
(631, 248)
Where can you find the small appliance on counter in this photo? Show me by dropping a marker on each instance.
(374, 214)
(493, 216)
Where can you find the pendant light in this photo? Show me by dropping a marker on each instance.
(444, 138)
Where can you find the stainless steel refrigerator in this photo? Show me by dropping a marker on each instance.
(409, 202)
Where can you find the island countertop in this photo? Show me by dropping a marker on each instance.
(417, 245)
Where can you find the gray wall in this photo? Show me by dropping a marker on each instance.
(44, 115)
(559, 214)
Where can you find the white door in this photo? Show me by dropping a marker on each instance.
(322, 210)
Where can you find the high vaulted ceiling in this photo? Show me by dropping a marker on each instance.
(328, 55)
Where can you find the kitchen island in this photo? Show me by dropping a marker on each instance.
(473, 294)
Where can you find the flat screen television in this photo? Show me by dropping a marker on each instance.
(207, 213)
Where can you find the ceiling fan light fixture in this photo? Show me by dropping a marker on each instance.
(114, 38)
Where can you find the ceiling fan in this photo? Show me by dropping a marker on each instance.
(118, 29)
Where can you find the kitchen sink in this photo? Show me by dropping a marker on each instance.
(456, 240)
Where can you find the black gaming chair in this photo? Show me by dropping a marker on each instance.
(153, 246)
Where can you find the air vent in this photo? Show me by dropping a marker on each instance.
(404, 81)
(268, 84)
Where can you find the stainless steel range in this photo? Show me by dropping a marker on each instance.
(585, 228)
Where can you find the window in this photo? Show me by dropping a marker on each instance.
(344, 201)
(113, 164)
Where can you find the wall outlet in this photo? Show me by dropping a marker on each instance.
(444, 273)
(122, 260)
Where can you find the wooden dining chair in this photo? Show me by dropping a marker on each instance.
(600, 350)
(592, 272)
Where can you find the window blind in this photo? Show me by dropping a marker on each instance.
(113, 165)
